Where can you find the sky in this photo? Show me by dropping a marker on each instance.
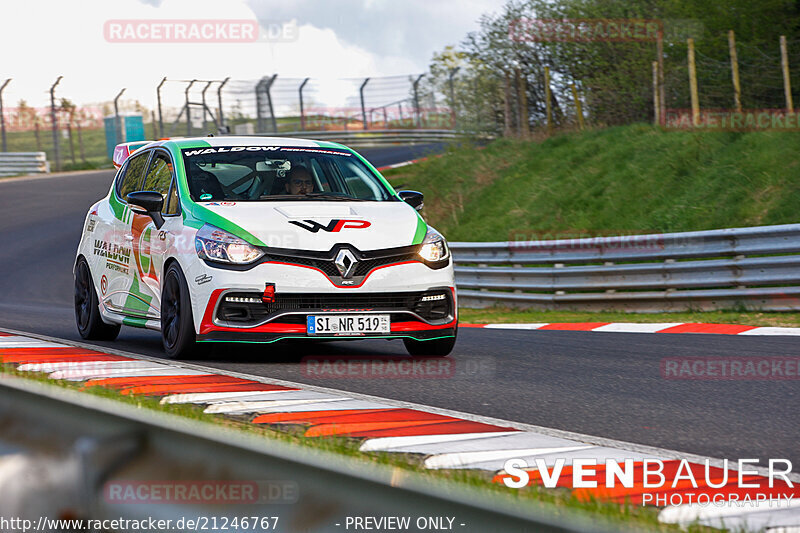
(89, 43)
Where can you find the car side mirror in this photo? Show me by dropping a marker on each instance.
(147, 203)
(412, 198)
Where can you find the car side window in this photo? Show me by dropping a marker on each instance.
(172, 206)
(159, 174)
(130, 181)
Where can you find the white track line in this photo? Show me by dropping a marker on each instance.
(239, 408)
(469, 459)
(754, 516)
(383, 444)
(624, 327)
(506, 441)
(214, 397)
(84, 366)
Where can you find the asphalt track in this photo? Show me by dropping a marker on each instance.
(603, 384)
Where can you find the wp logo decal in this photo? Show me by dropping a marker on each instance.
(335, 225)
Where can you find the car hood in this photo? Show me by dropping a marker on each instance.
(312, 225)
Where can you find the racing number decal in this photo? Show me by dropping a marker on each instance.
(335, 225)
(103, 284)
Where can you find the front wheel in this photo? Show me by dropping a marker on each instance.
(177, 325)
(87, 307)
(431, 348)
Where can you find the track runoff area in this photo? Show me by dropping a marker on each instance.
(742, 495)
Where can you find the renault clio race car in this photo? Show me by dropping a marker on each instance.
(258, 239)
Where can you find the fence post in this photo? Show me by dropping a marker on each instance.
(363, 109)
(417, 114)
(219, 103)
(523, 104)
(662, 100)
(302, 109)
(656, 100)
(205, 107)
(189, 110)
(268, 89)
(737, 90)
(2, 116)
(259, 103)
(507, 105)
(578, 106)
(693, 85)
(117, 123)
(547, 103)
(54, 119)
(453, 72)
(160, 115)
(787, 84)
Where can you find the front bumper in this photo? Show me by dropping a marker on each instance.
(233, 316)
(294, 281)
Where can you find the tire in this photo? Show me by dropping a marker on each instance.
(177, 324)
(432, 348)
(87, 307)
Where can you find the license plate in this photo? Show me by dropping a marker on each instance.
(347, 324)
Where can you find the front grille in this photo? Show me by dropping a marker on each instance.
(324, 261)
(255, 312)
(326, 266)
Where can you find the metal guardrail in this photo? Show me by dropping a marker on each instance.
(755, 268)
(68, 453)
(376, 137)
(18, 163)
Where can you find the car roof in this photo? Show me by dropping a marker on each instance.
(236, 140)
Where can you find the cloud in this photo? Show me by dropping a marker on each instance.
(67, 39)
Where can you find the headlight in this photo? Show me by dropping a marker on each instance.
(218, 245)
(434, 247)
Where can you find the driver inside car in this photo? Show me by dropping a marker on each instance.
(300, 181)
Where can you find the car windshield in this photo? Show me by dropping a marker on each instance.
(270, 173)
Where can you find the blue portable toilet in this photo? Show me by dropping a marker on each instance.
(131, 126)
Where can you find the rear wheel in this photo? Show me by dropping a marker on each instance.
(87, 307)
(431, 348)
(177, 325)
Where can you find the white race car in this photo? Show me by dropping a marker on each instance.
(258, 239)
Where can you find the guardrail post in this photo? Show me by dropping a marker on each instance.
(2, 116)
(302, 109)
(117, 123)
(417, 113)
(160, 114)
(363, 109)
(54, 119)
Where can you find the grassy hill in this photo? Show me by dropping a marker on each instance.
(623, 180)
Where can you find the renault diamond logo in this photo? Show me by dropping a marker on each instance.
(346, 263)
